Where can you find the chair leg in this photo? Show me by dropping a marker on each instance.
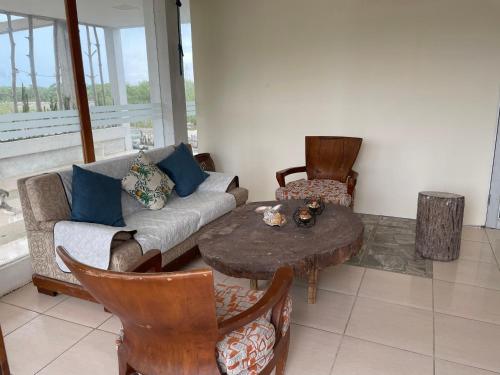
(46, 292)
(123, 366)
(281, 363)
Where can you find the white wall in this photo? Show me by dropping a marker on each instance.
(418, 80)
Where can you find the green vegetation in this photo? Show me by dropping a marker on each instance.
(189, 87)
(5, 108)
(136, 94)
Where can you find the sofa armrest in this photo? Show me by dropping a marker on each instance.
(240, 195)
(48, 198)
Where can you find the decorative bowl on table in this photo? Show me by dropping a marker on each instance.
(272, 216)
(315, 205)
(303, 217)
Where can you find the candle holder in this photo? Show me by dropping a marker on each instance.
(315, 205)
(304, 218)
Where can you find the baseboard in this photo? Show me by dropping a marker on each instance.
(15, 274)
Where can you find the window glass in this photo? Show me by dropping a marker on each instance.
(187, 46)
(39, 123)
(119, 56)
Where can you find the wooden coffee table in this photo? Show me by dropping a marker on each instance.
(241, 245)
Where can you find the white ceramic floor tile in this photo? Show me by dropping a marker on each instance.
(342, 278)
(399, 326)
(477, 251)
(467, 272)
(94, 354)
(358, 357)
(467, 301)
(13, 317)
(468, 342)
(39, 342)
(80, 311)
(330, 312)
(470, 233)
(450, 368)
(493, 234)
(29, 298)
(112, 325)
(495, 245)
(311, 351)
(397, 288)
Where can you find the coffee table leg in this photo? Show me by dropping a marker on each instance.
(311, 290)
(254, 284)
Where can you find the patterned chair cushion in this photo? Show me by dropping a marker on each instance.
(247, 350)
(330, 191)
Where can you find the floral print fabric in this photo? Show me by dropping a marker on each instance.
(330, 191)
(247, 350)
(147, 183)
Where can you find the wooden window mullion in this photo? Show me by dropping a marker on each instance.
(79, 81)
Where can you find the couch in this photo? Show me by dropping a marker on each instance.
(176, 227)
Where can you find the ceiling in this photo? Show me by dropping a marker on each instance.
(110, 13)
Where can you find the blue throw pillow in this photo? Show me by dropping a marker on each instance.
(184, 170)
(96, 198)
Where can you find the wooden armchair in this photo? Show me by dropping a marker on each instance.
(329, 162)
(4, 365)
(179, 324)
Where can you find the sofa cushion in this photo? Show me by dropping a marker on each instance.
(330, 191)
(147, 183)
(162, 229)
(184, 170)
(207, 205)
(96, 198)
(246, 350)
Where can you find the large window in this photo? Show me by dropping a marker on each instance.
(187, 47)
(39, 124)
(121, 74)
(41, 128)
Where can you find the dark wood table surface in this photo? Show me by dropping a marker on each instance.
(241, 245)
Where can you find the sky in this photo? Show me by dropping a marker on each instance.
(133, 47)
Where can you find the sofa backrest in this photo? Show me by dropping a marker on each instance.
(47, 197)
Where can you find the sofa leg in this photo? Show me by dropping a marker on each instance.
(46, 292)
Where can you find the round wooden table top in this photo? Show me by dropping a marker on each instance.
(240, 244)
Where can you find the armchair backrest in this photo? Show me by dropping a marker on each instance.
(331, 157)
(169, 320)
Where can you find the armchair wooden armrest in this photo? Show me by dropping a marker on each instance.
(149, 262)
(280, 175)
(274, 299)
(352, 179)
(206, 162)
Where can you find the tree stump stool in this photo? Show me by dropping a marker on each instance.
(439, 225)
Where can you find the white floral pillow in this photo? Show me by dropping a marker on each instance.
(147, 183)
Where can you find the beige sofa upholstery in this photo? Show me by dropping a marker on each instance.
(44, 202)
